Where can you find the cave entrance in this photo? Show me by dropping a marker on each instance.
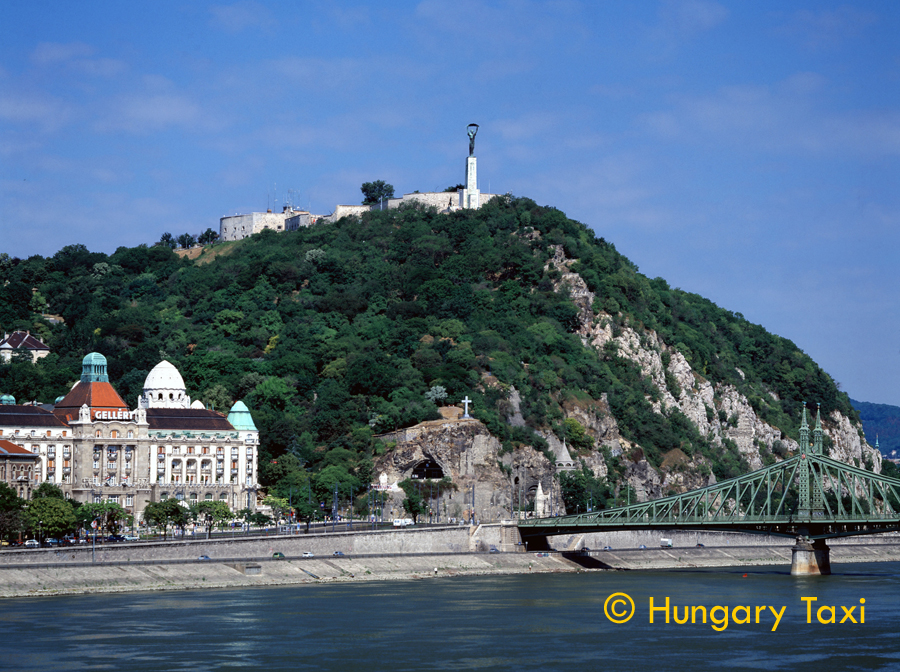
(427, 469)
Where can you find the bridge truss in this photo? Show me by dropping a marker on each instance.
(807, 496)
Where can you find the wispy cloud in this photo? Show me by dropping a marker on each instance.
(827, 28)
(240, 16)
(76, 56)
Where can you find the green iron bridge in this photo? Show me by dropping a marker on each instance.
(809, 497)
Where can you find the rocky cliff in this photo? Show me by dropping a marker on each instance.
(719, 411)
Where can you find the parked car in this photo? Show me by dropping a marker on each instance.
(51, 541)
(132, 537)
(115, 538)
(203, 557)
(278, 555)
(338, 554)
(308, 554)
(607, 548)
(32, 543)
(643, 547)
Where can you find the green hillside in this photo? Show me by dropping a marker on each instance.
(339, 332)
(881, 421)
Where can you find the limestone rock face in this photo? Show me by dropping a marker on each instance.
(719, 411)
(470, 456)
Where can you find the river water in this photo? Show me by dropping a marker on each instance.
(522, 622)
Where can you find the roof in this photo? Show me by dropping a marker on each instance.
(93, 368)
(95, 395)
(22, 339)
(8, 448)
(28, 416)
(164, 376)
(191, 419)
(240, 417)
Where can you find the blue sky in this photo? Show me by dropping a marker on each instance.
(747, 152)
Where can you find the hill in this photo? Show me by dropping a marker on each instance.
(881, 421)
(342, 332)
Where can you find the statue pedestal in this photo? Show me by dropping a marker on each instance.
(471, 194)
(810, 559)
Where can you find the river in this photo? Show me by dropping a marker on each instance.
(521, 622)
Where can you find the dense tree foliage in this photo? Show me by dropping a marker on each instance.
(339, 332)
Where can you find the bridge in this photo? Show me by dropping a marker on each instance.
(809, 497)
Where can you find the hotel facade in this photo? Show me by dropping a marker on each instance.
(95, 448)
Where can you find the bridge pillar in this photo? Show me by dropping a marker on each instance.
(810, 558)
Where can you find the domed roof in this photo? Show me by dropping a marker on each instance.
(93, 368)
(7, 400)
(198, 405)
(164, 376)
(240, 418)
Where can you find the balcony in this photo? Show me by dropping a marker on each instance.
(161, 470)
(51, 453)
(192, 470)
(162, 457)
(220, 469)
(67, 470)
(234, 471)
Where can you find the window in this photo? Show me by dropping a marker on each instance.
(97, 434)
(51, 464)
(114, 434)
(223, 497)
(98, 499)
(130, 434)
(111, 466)
(34, 432)
(96, 464)
(208, 497)
(164, 496)
(190, 450)
(176, 450)
(129, 500)
(114, 499)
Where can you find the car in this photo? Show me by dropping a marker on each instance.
(132, 537)
(278, 555)
(643, 547)
(585, 550)
(32, 543)
(308, 554)
(204, 557)
(4, 543)
(338, 554)
(493, 549)
(115, 538)
(607, 548)
(51, 541)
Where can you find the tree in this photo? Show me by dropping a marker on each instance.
(207, 237)
(377, 191)
(210, 512)
(48, 490)
(414, 504)
(165, 513)
(167, 240)
(280, 507)
(108, 515)
(186, 240)
(9, 499)
(49, 516)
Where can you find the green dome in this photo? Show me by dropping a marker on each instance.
(93, 368)
(240, 418)
(7, 400)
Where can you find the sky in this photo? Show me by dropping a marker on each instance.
(746, 152)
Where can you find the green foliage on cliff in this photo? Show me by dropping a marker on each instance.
(338, 332)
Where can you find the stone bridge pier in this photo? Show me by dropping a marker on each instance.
(810, 558)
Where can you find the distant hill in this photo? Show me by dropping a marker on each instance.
(882, 420)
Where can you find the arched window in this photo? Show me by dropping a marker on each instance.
(208, 497)
(114, 434)
(97, 434)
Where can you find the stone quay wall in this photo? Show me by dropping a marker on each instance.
(457, 539)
